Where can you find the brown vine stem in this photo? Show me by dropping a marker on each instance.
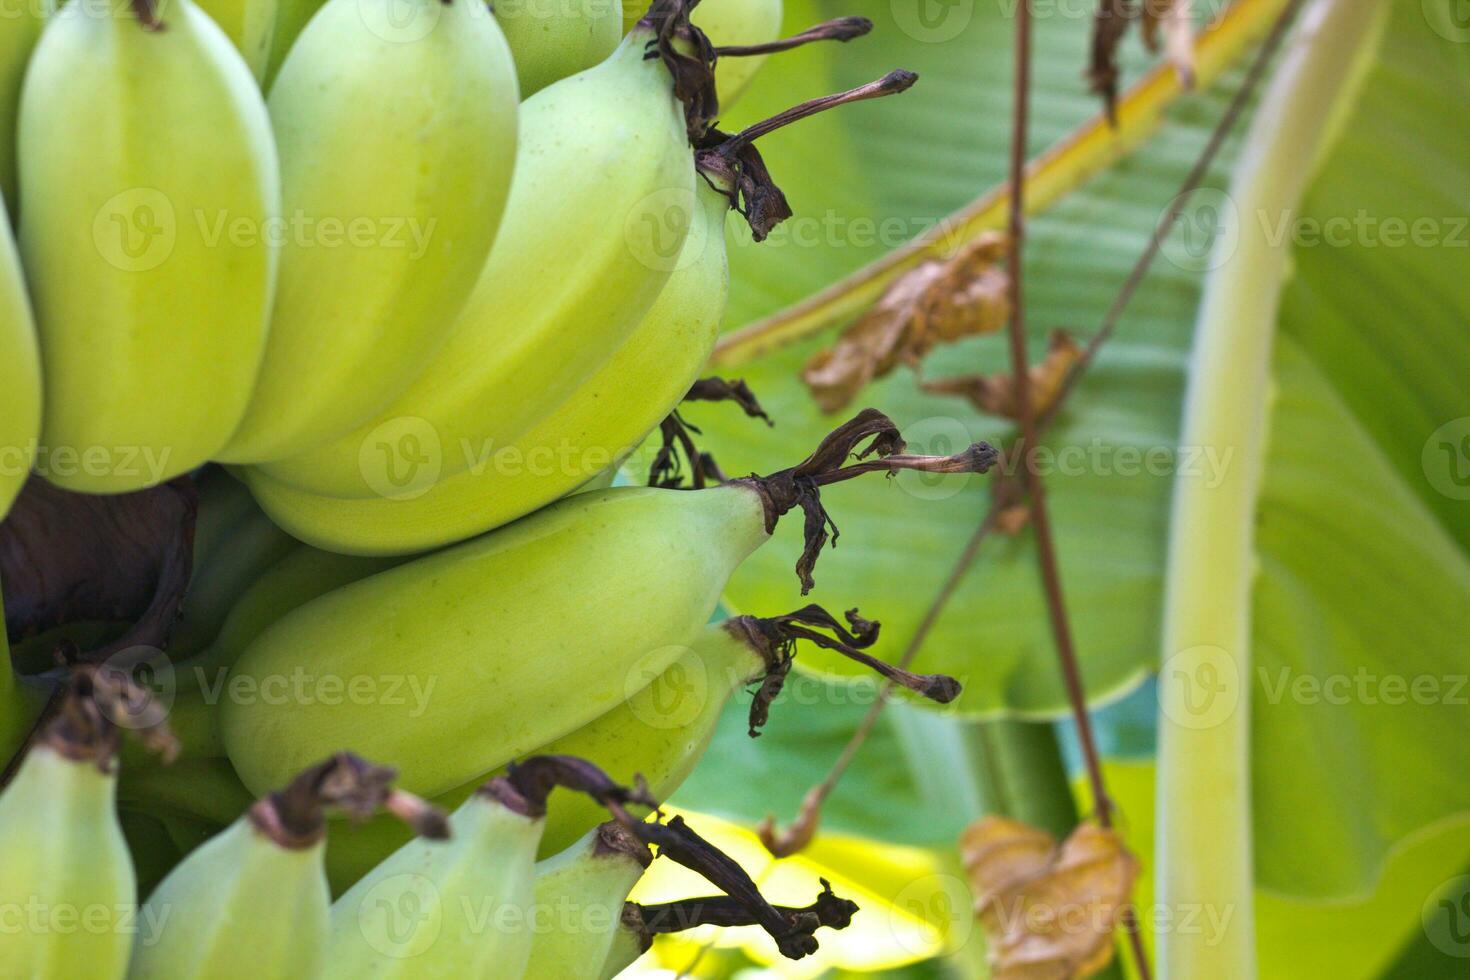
(1136, 276)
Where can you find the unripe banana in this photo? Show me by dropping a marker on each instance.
(659, 734)
(602, 421)
(602, 156)
(578, 901)
(629, 942)
(19, 31)
(241, 905)
(253, 900)
(292, 16)
(232, 550)
(250, 25)
(20, 398)
(153, 851)
(465, 636)
(397, 133)
(66, 856)
(735, 23)
(302, 575)
(129, 200)
(615, 579)
(554, 39)
(67, 871)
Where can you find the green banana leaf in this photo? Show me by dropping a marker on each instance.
(1363, 521)
(907, 162)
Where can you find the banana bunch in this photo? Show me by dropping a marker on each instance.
(598, 424)
(422, 276)
(259, 886)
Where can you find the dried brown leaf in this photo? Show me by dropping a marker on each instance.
(1048, 912)
(1109, 25)
(936, 302)
(995, 394)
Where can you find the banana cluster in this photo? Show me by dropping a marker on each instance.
(269, 243)
(463, 897)
(419, 277)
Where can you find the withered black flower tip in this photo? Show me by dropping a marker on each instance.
(898, 80)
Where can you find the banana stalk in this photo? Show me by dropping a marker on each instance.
(1204, 814)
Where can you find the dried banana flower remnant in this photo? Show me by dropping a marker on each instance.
(995, 394)
(1174, 17)
(1110, 26)
(937, 302)
(1048, 911)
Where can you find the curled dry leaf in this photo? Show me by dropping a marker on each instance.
(803, 830)
(995, 394)
(937, 302)
(1048, 912)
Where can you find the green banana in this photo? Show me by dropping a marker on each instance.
(253, 901)
(629, 942)
(233, 547)
(578, 901)
(67, 873)
(302, 575)
(396, 125)
(151, 318)
(292, 16)
(604, 420)
(250, 25)
(68, 854)
(662, 730)
(736, 23)
(459, 909)
(152, 850)
(604, 162)
(617, 579)
(18, 35)
(20, 400)
(553, 39)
